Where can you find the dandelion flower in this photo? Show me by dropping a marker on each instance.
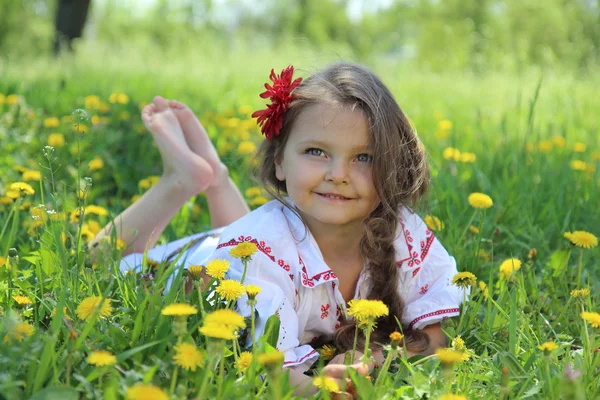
(227, 317)
(434, 223)
(458, 343)
(396, 336)
(258, 201)
(451, 154)
(582, 239)
(244, 361)
(252, 291)
(95, 164)
(19, 332)
(196, 272)
(89, 305)
(593, 318)
(22, 188)
(327, 383)
(22, 300)
(578, 165)
(253, 191)
(246, 147)
(243, 250)
(217, 268)
(468, 157)
(188, 356)
(51, 122)
(548, 347)
(449, 356)
(508, 266)
(274, 358)
(480, 200)
(327, 352)
(464, 279)
(579, 147)
(218, 331)
(474, 230)
(580, 293)
(450, 396)
(230, 290)
(484, 289)
(145, 392)
(91, 209)
(179, 310)
(366, 311)
(101, 358)
(32, 175)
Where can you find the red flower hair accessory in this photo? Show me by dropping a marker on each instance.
(271, 119)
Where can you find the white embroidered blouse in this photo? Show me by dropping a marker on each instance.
(301, 289)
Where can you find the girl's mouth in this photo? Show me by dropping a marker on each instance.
(333, 196)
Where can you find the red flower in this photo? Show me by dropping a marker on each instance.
(271, 119)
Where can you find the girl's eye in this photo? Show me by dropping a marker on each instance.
(314, 152)
(364, 157)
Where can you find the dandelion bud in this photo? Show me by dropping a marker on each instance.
(12, 252)
(196, 272)
(396, 337)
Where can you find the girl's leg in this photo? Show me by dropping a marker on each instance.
(225, 202)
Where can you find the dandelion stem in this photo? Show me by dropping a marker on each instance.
(221, 373)
(367, 354)
(354, 345)
(173, 380)
(386, 365)
(580, 267)
(467, 228)
(252, 325)
(245, 262)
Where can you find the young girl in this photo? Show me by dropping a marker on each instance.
(344, 167)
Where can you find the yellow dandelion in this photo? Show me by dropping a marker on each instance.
(188, 356)
(593, 318)
(92, 102)
(480, 200)
(579, 147)
(243, 362)
(18, 332)
(32, 175)
(327, 383)
(179, 310)
(217, 268)
(468, 157)
(89, 305)
(12, 99)
(65, 313)
(451, 154)
(474, 230)
(578, 165)
(272, 359)
(396, 336)
(434, 223)
(51, 122)
(22, 188)
(545, 146)
(582, 239)
(145, 392)
(327, 352)
(509, 266)
(101, 358)
(458, 343)
(95, 164)
(258, 201)
(366, 311)
(548, 347)
(559, 141)
(464, 279)
(91, 209)
(196, 272)
(246, 147)
(580, 293)
(2, 261)
(230, 290)
(253, 191)
(449, 356)
(22, 300)
(450, 396)
(218, 331)
(5, 200)
(252, 291)
(226, 317)
(243, 250)
(484, 289)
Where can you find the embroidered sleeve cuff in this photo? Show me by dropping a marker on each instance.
(433, 317)
(302, 355)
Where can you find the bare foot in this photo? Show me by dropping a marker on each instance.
(197, 138)
(180, 163)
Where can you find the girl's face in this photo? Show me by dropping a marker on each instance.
(327, 167)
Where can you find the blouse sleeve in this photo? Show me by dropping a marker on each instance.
(426, 272)
(277, 297)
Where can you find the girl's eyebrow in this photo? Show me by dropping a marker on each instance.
(319, 143)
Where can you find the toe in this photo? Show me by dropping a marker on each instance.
(161, 103)
(177, 106)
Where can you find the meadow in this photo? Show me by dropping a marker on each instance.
(75, 153)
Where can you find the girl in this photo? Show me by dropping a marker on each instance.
(344, 167)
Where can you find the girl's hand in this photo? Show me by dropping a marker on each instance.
(339, 372)
(182, 168)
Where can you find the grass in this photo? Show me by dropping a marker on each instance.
(523, 130)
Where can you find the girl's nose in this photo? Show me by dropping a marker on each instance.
(337, 172)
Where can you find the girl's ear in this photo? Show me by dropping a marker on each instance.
(279, 169)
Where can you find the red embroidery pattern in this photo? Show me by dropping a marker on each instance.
(423, 290)
(414, 259)
(426, 244)
(310, 282)
(431, 314)
(324, 311)
(414, 273)
(301, 359)
(340, 316)
(262, 247)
